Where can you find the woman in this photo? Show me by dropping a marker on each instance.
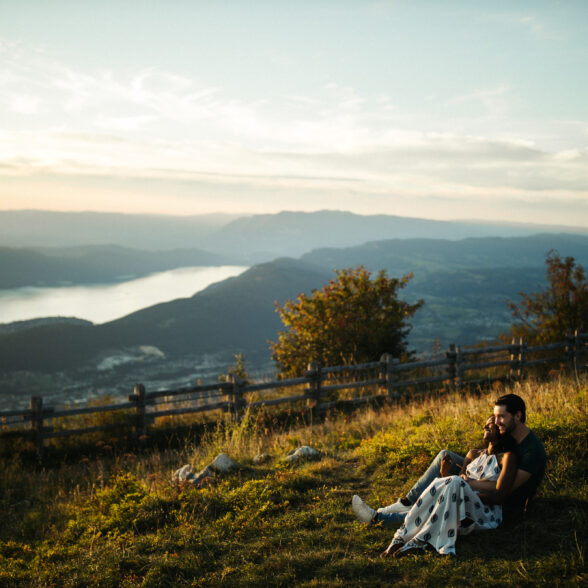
(453, 505)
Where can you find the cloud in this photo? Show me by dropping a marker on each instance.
(333, 146)
(493, 100)
(530, 23)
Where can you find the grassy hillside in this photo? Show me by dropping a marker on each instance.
(118, 521)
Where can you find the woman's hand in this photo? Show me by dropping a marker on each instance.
(446, 464)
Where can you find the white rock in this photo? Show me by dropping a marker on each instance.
(199, 478)
(223, 463)
(304, 452)
(183, 474)
(261, 458)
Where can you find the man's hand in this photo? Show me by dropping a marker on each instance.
(446, 464)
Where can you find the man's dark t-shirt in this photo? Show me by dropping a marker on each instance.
(531, 458)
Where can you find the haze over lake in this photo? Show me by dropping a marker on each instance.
(101, 303)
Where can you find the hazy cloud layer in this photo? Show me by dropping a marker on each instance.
(334, 148)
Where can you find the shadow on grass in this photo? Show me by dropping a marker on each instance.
(551, 525)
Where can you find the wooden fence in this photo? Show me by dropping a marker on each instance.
(320, 389)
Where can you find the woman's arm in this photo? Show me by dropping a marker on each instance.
(471, 455)
(496, 492)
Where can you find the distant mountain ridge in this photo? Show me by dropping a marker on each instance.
(41, 228)
(93, 264)
(400, 256)
(252, 239)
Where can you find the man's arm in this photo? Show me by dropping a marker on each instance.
(510, 479)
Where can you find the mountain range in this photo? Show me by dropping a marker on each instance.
(465, 285)
(112, 247)
(58, 266)
(244, 239)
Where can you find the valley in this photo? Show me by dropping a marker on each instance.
(181, 338)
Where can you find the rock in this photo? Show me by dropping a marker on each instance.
(304, 452)
(203, 476)
(184, 474)
(223, 463)
(261, 458)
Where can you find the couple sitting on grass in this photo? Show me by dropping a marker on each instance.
(458, 496)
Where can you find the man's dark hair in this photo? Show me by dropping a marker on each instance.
(513, 403)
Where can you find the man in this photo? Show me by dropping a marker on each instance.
(510, 416)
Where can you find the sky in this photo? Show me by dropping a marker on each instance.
(433, 109)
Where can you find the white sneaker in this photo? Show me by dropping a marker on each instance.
(362, 511)
(396, 507)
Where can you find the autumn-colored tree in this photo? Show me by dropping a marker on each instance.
(549, 316)
(353, 319)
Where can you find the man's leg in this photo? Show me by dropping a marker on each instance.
(389, 520)
(396, 512)
(368, 515)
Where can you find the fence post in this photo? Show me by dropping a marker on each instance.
(451, 356)
(515, 355)
(522, 357)
(237, 401)
(458, 369)
(388, 374)
(313, 392)
(571, 349)
(138, 398)
(37, 425)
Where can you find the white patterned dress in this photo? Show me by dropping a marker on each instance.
(437, 515)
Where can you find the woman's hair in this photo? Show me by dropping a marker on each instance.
(504, 444)
(513, 404)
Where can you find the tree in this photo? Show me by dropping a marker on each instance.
(353, 319)
(549, 316)
(237, 370)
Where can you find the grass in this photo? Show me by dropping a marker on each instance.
(118, 521)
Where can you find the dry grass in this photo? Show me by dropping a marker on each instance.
(117, 519)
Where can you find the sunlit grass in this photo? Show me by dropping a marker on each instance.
(117, 520)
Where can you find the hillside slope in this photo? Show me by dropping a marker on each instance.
(93, 264)
(401, 256)
(115, 519)
(465, 301)
(236, 314)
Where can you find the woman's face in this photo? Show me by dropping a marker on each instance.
(491, 432)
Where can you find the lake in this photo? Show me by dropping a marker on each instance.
(101, 303)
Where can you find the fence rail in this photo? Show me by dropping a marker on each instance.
(320, 387)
